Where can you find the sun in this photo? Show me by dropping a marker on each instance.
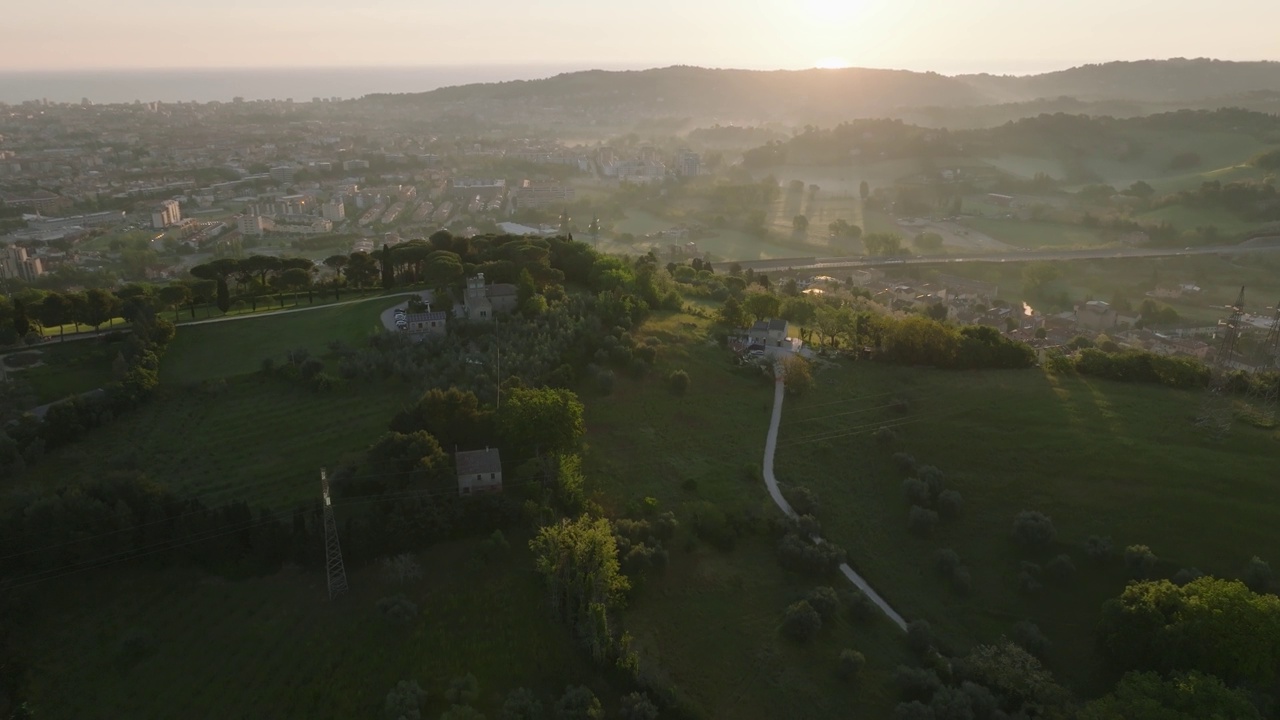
(831, 10)
(832, 63)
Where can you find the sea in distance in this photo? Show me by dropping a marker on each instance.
(301, 84)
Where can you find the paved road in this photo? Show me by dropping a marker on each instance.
(771, 482)
(1253, 246)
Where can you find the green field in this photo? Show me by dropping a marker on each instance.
(256, 439)
(68, 369)
(275, 647)
(712, 617)
(224, 349)
(1103, 458)
(1035, 235)
(1230, 226)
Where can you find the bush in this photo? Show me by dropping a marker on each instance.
(947, 561)
(914, 710)
(1029, 578)
(808, 526)
(678, 381)
(916, 683)
(1098, 548)
(1061, 568)
(916, 492)
(637, 706)
(803, 500)
(801, 622)
(604, 379)
(400, 569)
(522, 704)
(404, 701)
(1258, 575)
(857, 605)
(310, 369)
(398, 608)
(463, 689)
(919, 636)
(950, 503)
(850, 664)
(887, 437)
(1027, 635)
(824, 600)
(578, 703)
(932, 477)
(268, 366)
(905, 462)
(921, 521)
(961, 580)
(1187, 575)
(1033, 529)
(1139, 561)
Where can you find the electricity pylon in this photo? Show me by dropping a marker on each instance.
(333, 551)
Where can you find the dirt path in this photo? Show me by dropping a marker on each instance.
(771, 482)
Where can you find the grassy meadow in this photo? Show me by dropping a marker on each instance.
(1034, 235)
(67, 369)
(257, 439)
(225, 349)
(1100, 458)
(712, 618)
(275, 647)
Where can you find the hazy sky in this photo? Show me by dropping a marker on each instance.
(944, 35)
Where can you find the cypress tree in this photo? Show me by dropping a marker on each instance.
(224, 295)
(388, 271)
(20, 322)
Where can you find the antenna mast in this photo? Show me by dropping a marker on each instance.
(333, 552)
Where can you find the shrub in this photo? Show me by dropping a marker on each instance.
(947, 561)
(678, 381)
(1098, 548)
(1187, 575)
(919, 636)
(398, 608)
(605, 379)
(803, 500)
(1258, 575)
(310, 369)
(857, 605)
(824, 600)
(914, 710)
(950, 503)
(522, 704)
(916, 492)
(1029, 578)
(932, 477)
(916, 683)
(268, 366)
(463, 689)
(637, 706)
(808, 526)
(801, 622)
(904, 461)
(1027, 635)
(887, 437)
(1033, 529)
(1139, 561)
(961, 580)
(799, 555)
(400, 569)
(921, 520)
(1061, 568)
(404, 701)
(578, 703)
(850, 664)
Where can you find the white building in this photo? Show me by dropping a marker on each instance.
(688, 164)
(333, 211)
(254, 224)
(167, 214)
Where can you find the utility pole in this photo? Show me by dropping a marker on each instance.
(333, 552)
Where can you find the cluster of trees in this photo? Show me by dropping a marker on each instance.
(1135, 366)
(1208, 648)
(29, 309)
(255, 276)
(578, 559)
(1249, 200)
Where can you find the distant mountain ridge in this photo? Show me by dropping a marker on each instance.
(827, 96)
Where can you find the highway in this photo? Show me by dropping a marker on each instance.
(1269, 244)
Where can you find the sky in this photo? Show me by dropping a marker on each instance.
(948, 36)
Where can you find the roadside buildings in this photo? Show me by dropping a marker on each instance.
(15, 263)
(167, 214)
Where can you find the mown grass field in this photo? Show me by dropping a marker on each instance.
(256, 439)
(1035, 235)
(1117, 460)
(275, 647)
(225, 349)
(712, 618)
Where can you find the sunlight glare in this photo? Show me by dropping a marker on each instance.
(832, 63)
(831, 10)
